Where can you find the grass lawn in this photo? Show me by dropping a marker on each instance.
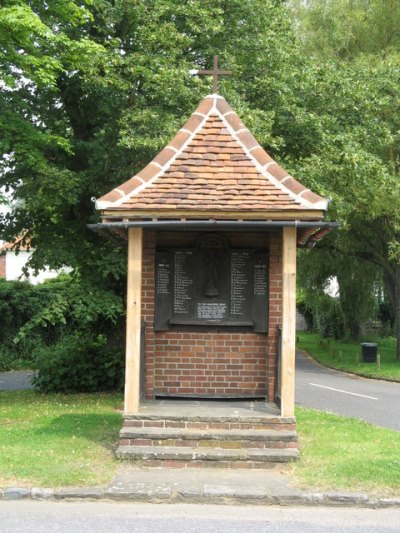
(58, 440)
(347, 355)
(339, 452)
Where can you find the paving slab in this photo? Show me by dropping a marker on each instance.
(204, 485)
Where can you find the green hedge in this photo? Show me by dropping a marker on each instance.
(19, 302)
(77, 363)
(72, 333)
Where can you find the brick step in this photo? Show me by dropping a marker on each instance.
(208, 457)
(211, 422)
(208, 439)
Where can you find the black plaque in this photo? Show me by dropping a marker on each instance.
(240, 283)
(260, 292)
(164, 288)
(211, 284)
(183, 295)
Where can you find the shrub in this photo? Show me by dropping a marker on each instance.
(70, 330)
(19, 302)
(328, 317)
(323, 313)
(77, 363)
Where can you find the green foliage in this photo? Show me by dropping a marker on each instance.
(94, 89)
(360, 288)
(345, 29)
(386, 316)
(355, 50)
(65, 329)
(19, 302)
(74, 305)
(78, 363)
(323, 314)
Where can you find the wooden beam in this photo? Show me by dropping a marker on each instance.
(133, 320)
(217, 215)
(288, 320)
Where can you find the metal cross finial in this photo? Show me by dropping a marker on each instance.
(214, 73)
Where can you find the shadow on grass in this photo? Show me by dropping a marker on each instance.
(100, 428)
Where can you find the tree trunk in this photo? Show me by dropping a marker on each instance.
(392, 283)
(397, 309)
(354, 328)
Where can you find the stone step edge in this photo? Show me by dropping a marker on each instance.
(209, 434)
(213, 418)
(166, 453)
(173, 494)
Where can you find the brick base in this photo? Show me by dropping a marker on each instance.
(208, 441)
(210, 364)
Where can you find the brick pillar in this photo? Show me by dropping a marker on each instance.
(275, 309)
(148, 303)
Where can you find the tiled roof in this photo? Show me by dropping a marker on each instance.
(16, 245)
(213, 164)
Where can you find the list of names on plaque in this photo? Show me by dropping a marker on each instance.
(260, 279)
(183, 281)
(163, 278)
(239, 281)
(211, 310)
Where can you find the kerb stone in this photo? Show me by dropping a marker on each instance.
(16, 493)
(42, 494)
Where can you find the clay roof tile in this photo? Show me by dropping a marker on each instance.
(213, 163)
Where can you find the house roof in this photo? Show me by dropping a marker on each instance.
(19, 244)
(213, 167)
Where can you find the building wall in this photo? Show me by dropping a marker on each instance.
(3, 266)
(210, 363)
(11, 265)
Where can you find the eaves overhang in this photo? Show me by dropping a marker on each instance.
(309, 231)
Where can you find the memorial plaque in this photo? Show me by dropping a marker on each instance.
(183, 296)
(164, 287)
(260, 292)
(211, 284)
(240, 282)
(211, 310)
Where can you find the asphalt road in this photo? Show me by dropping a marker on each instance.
(16, 380)
(103, 517)
(374, 401)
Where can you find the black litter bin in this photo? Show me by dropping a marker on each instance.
(369, 352)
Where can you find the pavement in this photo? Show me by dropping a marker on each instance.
(203, 486)
(16, 380)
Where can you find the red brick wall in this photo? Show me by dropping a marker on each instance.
(210, 363)
(275, 307)
(3, 266)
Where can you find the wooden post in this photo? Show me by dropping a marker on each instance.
(133, 320)
(288, 320)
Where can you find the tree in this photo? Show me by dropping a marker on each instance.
(357, 160)
(359, 285)
(346, 29)
(94, 88)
